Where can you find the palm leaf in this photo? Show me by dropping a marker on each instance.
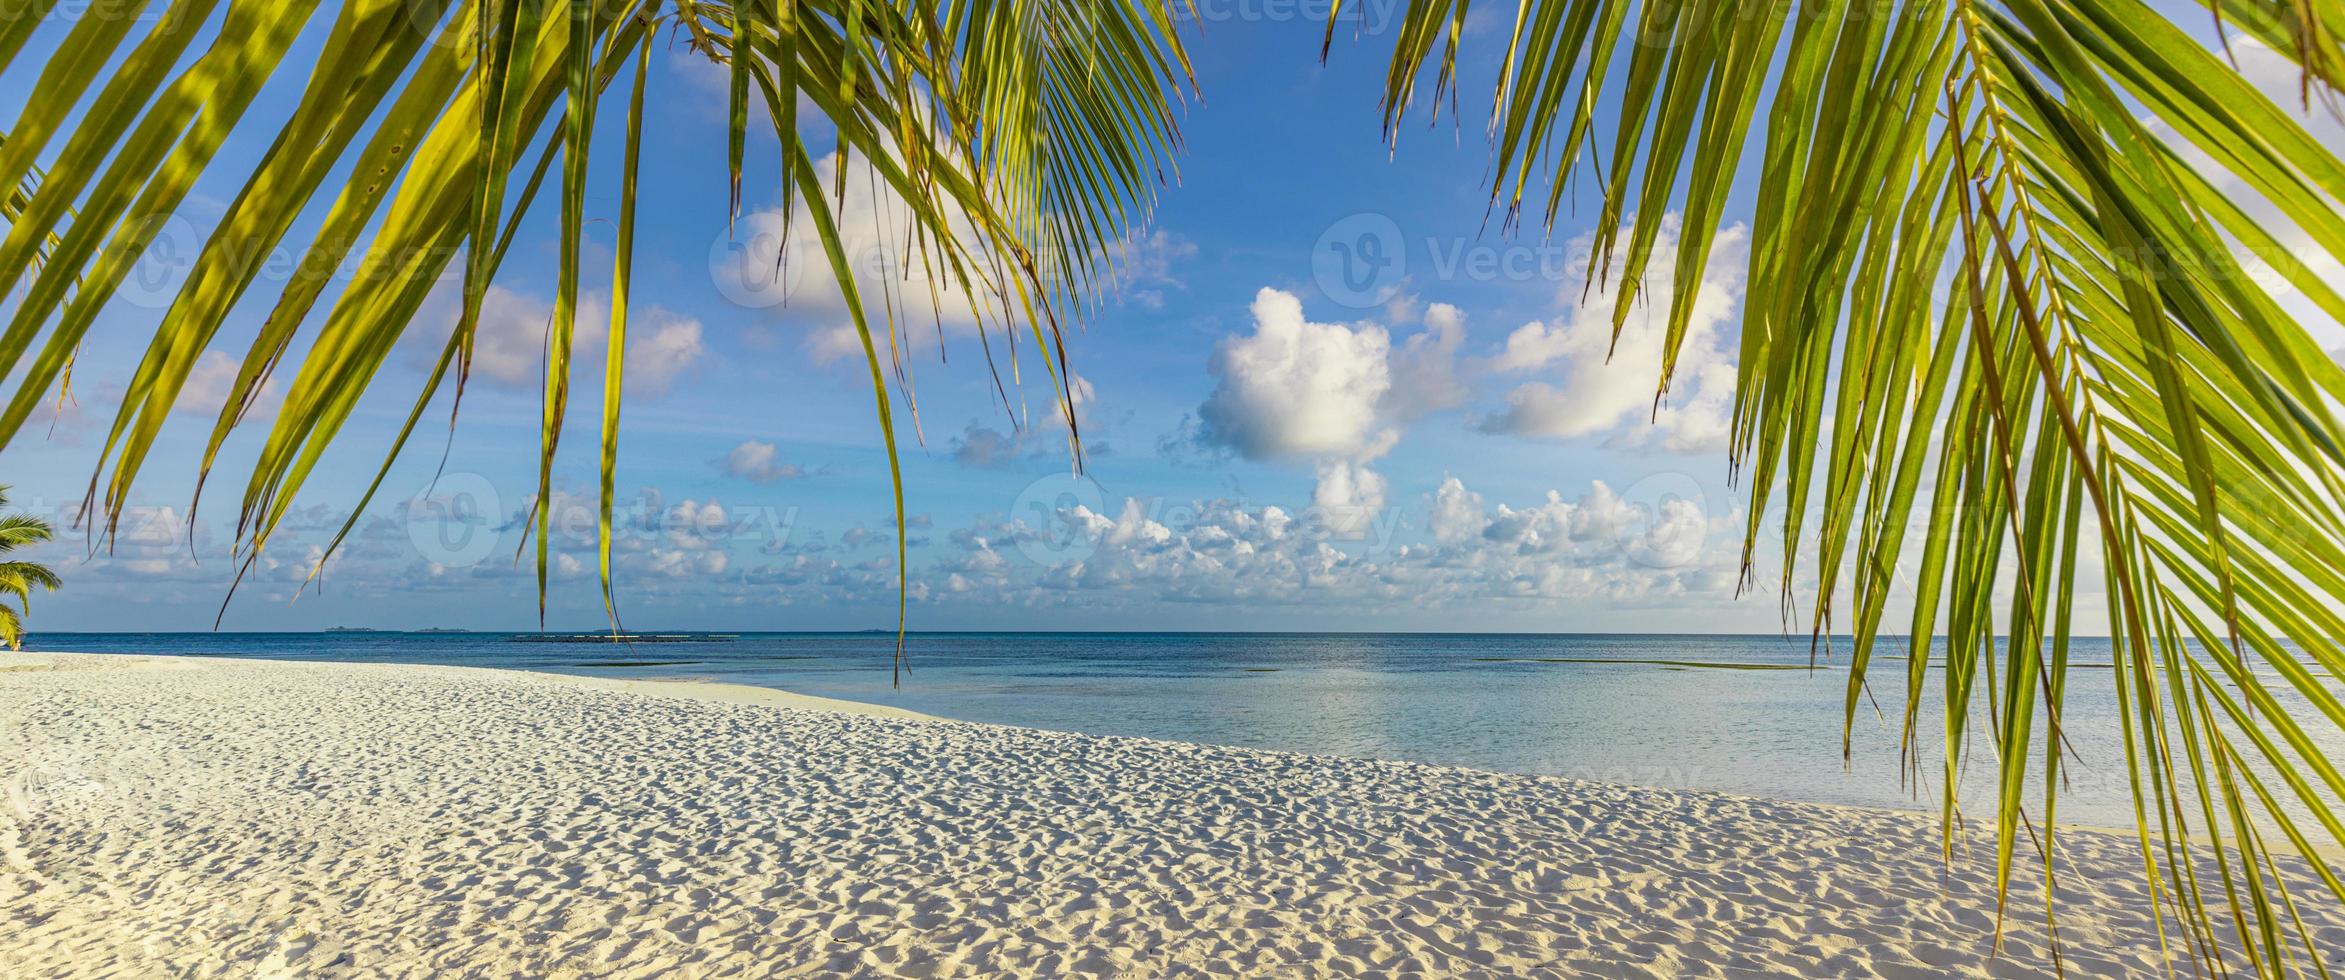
(1987, 286)
(1025, 137)
(21, 576)
(17, 577)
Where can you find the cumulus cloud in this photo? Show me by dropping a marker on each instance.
(509, 345)
(1457, 513)
(1631, 549)
(1145, 264)
(687, 549)
(1149, 256)
(211, 380)
(1597, 545)
(1349, 492)
(1334, 395)
(1604, 387)
(692, 541)
(978, 447)
(981, 447)
(165, 556)
(777, 262)
(1425, 369)
(1294, 388)
(759, 462)
(828, 345)
(661, 347)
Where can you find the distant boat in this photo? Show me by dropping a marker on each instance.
(352, 629)
(442, 629)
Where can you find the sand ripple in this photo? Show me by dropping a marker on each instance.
(186, 817)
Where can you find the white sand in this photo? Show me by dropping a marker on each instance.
(169, 816)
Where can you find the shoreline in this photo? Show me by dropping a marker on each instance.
(681, 686)
(231, 816)
(706, 689)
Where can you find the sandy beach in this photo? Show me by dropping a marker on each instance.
(196, 817)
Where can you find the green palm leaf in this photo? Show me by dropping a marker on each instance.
(19, 578)
(1024, 137)
(1997, 319)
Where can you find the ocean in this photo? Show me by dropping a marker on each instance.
(1734, 714)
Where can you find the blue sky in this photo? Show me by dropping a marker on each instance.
(1276, 440)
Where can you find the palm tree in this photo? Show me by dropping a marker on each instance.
(2000, 322)
(2002, 314)
(19, 578)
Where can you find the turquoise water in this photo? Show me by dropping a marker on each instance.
(1572, 705)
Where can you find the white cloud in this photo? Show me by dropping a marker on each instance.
(978, 447)
(209, 384)
(1607, 387)
(1349, 495)
(758, 462)
(509, 345)
(661, 347)
(983, 448)
(833, 343)
(654, 542)
(1335, 395)
(1599, 545)
(1144, 266)
(1425, 371)
(1457, 513)
(1294, 388)
(778, 263)
(1044, 437)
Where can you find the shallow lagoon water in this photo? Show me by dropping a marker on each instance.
(1675, 711)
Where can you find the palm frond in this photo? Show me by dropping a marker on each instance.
(19, 530)
(19, 578)
(1023, 136)
(1998, 316)
(23, 576)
